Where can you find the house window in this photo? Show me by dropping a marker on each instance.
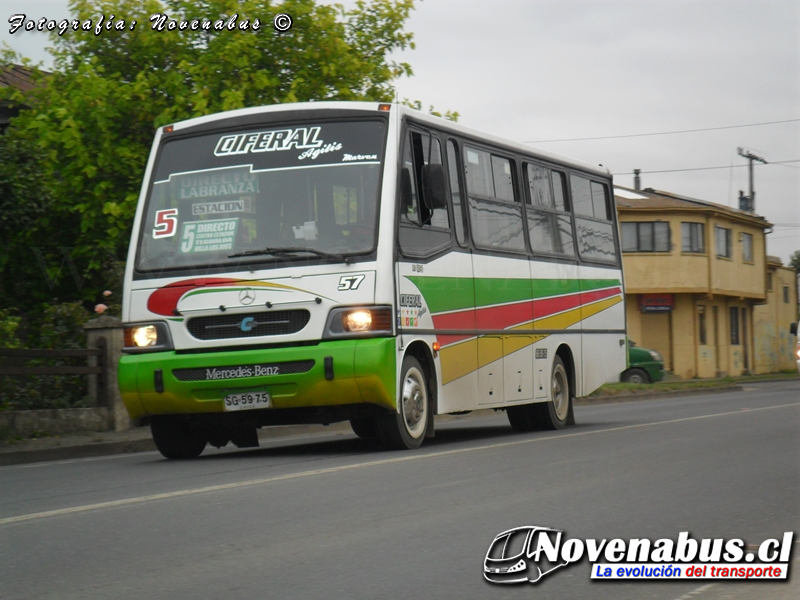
(701, 324)
(693, 237)
(723, 238)
(734, 312)
(769, 282)
(747, 247)
(645, 237)
(786, 294)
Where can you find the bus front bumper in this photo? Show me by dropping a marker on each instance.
(329, 374)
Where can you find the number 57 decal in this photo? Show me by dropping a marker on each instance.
(350, 282)
(166, 223)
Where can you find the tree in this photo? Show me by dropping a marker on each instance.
(90, 123)
(794, 260)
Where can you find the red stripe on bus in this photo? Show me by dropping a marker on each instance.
(509, 315)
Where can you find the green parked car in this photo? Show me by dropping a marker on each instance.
(644, 366)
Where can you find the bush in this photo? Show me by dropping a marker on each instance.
(60, 327)
(9, 324)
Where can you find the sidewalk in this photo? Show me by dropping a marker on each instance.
(106, 443)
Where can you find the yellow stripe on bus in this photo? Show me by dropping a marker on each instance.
(463, 358)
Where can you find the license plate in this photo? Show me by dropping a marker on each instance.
(247, 401)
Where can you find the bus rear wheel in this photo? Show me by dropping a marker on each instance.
(554, 413)
(175, 437)
(405, 429)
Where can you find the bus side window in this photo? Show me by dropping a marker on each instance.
(549, 223)
(433, 185)
(424, 218)
(560, 190)
(503, 184)
(495, 215)
(422, 182)
(409, 205)
(593, 220)
(600, 201)
(455, 188)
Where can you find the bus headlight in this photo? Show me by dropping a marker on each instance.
(360, 321)
(146, 337)
(357, 320)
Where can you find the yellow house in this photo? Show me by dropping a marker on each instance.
(774, 345)
(694, 274)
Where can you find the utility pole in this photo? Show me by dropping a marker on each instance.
(748, 203)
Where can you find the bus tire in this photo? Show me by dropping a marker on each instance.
(364, 427)
(523, 418)
(405, 429)
(175, 438)
(554, 413)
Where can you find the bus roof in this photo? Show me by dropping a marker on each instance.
(419, 116)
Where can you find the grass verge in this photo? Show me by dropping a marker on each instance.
(619, 389)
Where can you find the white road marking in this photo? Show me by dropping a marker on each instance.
(695, 592)
(374, 463)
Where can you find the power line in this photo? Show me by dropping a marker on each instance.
(785, 165)
(782, 162)
(615, 137)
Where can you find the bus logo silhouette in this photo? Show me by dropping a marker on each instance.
(516, 556)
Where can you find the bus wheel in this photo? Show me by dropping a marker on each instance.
(175, 438)
(406, 428)
(553, 414)
(523, 418)
(364, 427)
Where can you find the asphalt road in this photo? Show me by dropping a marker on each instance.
(332, 516)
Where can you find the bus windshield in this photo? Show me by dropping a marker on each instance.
(268, 193)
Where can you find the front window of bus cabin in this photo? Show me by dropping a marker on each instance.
(271, 193)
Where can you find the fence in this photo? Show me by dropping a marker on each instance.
(104, 341)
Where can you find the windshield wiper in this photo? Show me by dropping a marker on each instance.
(288, 251)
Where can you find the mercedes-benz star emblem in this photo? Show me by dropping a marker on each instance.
(246, 296)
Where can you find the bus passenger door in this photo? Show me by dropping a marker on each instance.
(434, 274)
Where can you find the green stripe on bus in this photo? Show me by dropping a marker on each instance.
(444, 294)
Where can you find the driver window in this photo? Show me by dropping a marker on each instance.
(424, 216)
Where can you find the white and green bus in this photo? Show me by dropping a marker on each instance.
(363, 262)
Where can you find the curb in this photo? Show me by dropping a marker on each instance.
(617, 398)
(87, 450)
(90, 449)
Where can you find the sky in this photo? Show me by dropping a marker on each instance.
(613, 70)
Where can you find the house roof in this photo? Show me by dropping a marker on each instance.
(657, 200)
(16, 76)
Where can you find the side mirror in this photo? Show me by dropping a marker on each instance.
(435, 190)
